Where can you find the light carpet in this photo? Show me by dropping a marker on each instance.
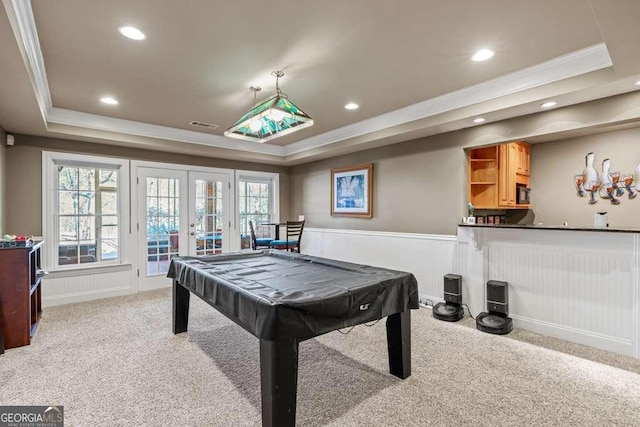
(116, 362)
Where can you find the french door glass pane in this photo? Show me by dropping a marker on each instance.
(208, 225)
(163, 224)
(254, 205)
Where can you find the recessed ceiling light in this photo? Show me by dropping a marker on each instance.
(479, 120)
(109, 100)
(638, 83)
(132, 32)
(482, 55)
(549, 104)
(351, 106)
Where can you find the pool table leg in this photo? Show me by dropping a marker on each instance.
(278, 382)
(399, 344)
(180, 307)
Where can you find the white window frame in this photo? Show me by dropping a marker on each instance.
(274, 201)
(50, 162)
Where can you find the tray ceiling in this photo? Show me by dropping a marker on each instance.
(401, 65)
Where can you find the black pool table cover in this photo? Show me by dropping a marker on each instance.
(278, 295)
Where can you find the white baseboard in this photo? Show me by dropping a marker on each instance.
(434, 300)
(156, 287)
(575, 335)
(85, 296)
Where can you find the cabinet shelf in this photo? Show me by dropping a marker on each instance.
(34, 287)
(20, 294)
(34, 326)
(494, 172)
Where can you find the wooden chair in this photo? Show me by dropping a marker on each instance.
(294, 236)
(262, 243)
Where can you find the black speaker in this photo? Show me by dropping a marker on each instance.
(451, 310)
(497, 320)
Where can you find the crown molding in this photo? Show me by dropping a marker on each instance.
(94, 121)
(23, 23)
(583, 61)
(24, 29)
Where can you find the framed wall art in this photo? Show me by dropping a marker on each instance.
(351, 191)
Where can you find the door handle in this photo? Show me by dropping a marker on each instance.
(192, 225)
(192, 233)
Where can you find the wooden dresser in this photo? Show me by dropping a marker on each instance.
(20, 296)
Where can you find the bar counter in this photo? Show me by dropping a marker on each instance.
(557, 227)
(581, 284)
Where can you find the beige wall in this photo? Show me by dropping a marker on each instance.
(419, 186)
(24, 175)
(3, 181)
(553, 165)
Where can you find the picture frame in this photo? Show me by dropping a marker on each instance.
(503, 219)
(491, 219)
(480, 219)
(352, 190)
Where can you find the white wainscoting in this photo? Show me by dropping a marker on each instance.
(429, 257)
(585, 291)
(76, 286)
(578, 286)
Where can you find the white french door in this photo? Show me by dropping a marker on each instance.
(180, 213)
(209, 216)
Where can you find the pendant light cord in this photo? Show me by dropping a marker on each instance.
(277, 74)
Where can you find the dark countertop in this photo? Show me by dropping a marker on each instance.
(20, 244)
(555, 227)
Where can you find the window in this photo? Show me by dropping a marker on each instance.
(257, 202)
(83, 219)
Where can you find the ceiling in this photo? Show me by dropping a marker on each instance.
(408, 68)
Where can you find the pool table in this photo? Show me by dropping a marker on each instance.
(284, 298)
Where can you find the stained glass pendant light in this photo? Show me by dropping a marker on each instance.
(271, 118)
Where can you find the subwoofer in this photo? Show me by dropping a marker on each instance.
(496, 319)
(451, 310)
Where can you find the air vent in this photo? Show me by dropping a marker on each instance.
(203, 125)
